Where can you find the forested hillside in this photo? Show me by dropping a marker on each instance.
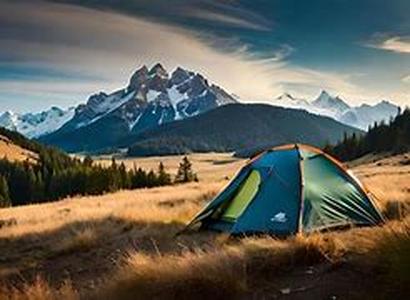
(238, 127)
(392, 137)
(55, 175)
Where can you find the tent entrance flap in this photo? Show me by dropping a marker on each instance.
(246, 193)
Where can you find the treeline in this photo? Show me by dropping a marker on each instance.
(49, 179)
(56, 175)
(393, 136)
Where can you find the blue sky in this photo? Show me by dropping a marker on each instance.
(60, 52)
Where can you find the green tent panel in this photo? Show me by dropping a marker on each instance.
(289, 189)
(246, 193)
(332, 198)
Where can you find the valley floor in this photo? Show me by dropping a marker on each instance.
(124, 245)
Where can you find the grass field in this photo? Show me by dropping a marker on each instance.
(13, 152)
(209, 166)
(123, 245)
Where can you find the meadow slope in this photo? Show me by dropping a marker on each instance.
(13, 152)
(123, 245)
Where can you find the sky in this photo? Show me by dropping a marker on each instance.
(60, 52)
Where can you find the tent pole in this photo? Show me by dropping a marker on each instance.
(302, 192)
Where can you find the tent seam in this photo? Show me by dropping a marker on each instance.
(302, 191)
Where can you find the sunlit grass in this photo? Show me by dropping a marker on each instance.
(215, 266)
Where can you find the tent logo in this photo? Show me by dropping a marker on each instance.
(279, 217)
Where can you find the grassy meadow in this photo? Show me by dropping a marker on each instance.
(13, 152)
(209, 166)
(124, 245)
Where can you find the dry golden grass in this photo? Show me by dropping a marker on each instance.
(237, 268)
(166, 204)
(122, 245)
(13, 152)
(39, 290)
(389, 180)
(81, 240)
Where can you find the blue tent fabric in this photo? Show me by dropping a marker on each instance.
(302, 189)
(279, 196)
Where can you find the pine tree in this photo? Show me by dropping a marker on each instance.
(125, 176)
(4, 193)
(328, 148)
(185, 172)
(88, 161)
(152, 179)
(56, 175)
(163, 177)
(138, 178)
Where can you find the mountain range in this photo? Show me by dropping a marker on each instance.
(34, 125)
(152, 98)
(335, 107)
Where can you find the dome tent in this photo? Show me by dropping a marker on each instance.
(287, 190)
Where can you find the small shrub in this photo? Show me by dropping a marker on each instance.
(81, 240)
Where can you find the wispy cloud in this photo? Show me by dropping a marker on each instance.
(406, 79)
(226, 19)
(103, 48)
(398, 44)
(280, 54)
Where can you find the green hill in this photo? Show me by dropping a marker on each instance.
(239, 127)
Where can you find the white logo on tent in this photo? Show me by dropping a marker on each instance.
(279, 217)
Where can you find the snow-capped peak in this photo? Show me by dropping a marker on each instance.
(326, 101)
(180, 75)
(287, 100)
(152, 97)
(335, 107)
(138, 78)
(158, 70)
(329, 106)
(285, 96)
(8, 120)
(34, 125)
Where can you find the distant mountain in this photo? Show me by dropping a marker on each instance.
(365, 115)
(152, 97)
(287, 100)
(239, 127)
(335, 107)
(34, 125)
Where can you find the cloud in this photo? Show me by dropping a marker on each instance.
(280, 54)
(111, 46)
(398, 44)
(406, 79)
(102, 49)
(226, 19)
